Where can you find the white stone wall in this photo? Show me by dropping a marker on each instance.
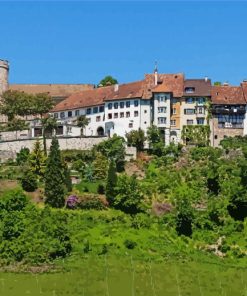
(163, 100)
(122, 125)
(14, 147)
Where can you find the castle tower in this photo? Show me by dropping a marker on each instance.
(4, 75)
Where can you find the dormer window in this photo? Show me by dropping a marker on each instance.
(189, 90)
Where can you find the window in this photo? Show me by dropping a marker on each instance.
(109, 116)
(145, 111)
(161, 109)
(136, 113)
(200, 110)
(122, 105)
(95, 109)
(121, 114)
(55, 115)
(77, 112)
(130, 125)
(136, 103)
(69, 129)
(200, 120)
(200, 100)
(174, 101)
(127, 114)
(189, 111)
(189, 90)
(110, 106)
(189, 121)
(174, 111)
(162, 120)
(162, 98)
(69, 113)
(97, 118)
(101, 109)
(115, 105)
(215, 137)
(62, 114)
(173, 122)
(145, 122)
(115, 115)
(88, 111)
(127, 104)
(189, 100)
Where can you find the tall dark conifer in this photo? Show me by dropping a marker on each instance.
(111, 182)
(55, 187)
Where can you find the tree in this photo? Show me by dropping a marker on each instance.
(128, 196)
(49, 124)
(67, 178)
(29, 181)
(196, 135)
(154, 135)
(37, 160)
(217, 83)
(42, 104)
(16, 103)
(82, 121)
(100, 165)
(136, 138)
(111, 182)
(22, 156)
(55, 188)
(108, 80)
(113, 149)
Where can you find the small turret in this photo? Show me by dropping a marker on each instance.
(155, 74)
(4, 75)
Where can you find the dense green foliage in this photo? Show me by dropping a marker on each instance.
(55, 187)
(28, 234)
(108, 80)
(136, 138)
(196, 135)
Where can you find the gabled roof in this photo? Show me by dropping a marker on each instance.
(172, 83)
(139, 89)
(228, 95)
(126, 91)
(244, 87)
(85, 98)
(202, 87)
(55, 90)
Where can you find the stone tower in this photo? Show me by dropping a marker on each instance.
(4, 75)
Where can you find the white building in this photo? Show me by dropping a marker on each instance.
(119, 109)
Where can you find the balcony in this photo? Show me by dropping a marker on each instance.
(230, 125)
(228, 110)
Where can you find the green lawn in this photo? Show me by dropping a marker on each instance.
(124, 276)
(91, 186)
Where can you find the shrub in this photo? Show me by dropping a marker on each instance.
(101, 189)
(130, 244)
(29, 181)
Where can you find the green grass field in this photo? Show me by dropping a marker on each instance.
(111, 277)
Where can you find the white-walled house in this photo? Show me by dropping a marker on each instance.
(119, 109)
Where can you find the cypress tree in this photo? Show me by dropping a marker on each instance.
(55, 187)
(67, 179)
(111, 182)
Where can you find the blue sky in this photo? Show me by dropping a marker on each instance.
(81, 42)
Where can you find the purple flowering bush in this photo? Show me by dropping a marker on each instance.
(72, 202)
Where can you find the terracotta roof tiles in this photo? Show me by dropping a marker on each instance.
(229, 95)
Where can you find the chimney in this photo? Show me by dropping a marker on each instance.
(206, 78)
(155, 74)
(226, 84)
(116, 87)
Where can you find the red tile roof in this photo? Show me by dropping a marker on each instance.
(244, 87)
(85, 98)
(139, 89)
(55, 90)
(228, 95)
(127, 91)
(202, 87)
(173, 83)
